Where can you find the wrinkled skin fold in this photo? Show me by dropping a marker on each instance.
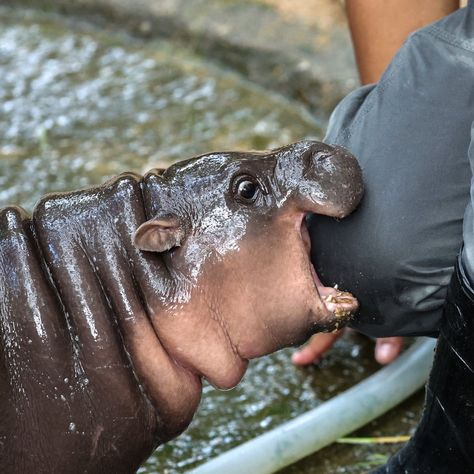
(115, 301)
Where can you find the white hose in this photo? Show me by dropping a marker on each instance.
(333, 419)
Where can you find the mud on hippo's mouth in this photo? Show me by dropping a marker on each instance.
(340, 305)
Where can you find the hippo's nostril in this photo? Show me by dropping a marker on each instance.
(322, 155)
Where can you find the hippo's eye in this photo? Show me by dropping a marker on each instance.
(245, 188)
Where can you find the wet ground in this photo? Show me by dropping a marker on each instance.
(272, 392)
(79, 104)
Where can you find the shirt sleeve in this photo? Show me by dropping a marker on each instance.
(411, 134)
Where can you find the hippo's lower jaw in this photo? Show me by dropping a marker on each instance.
(340, 305)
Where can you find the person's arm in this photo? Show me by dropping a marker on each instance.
(379, 28)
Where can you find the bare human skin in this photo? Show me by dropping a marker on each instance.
(115, 301)
(378, 30)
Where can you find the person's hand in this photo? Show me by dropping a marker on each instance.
(387, 349)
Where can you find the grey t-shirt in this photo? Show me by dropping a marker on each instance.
(411, 133)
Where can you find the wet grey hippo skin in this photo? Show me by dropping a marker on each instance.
(116, 300)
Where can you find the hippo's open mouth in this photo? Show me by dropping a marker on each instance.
(341, 305)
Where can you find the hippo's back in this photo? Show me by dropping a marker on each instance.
(69, 276)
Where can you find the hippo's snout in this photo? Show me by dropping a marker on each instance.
(345, 186)
(330, 180)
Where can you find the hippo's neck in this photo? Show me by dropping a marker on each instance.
(109, 290)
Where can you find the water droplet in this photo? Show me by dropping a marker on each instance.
(63, 398)
(66, 380)
(72, 427)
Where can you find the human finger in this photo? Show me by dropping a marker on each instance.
(318, 345)
(387, 349)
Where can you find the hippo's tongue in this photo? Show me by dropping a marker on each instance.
(341, 303)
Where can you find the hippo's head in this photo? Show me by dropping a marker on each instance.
(108, 321)
(230, 228)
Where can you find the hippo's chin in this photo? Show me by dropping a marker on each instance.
(228, 379)
(340, 305)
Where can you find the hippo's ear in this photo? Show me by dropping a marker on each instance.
(159, 234)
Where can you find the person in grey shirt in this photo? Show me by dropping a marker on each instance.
(408, 252)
